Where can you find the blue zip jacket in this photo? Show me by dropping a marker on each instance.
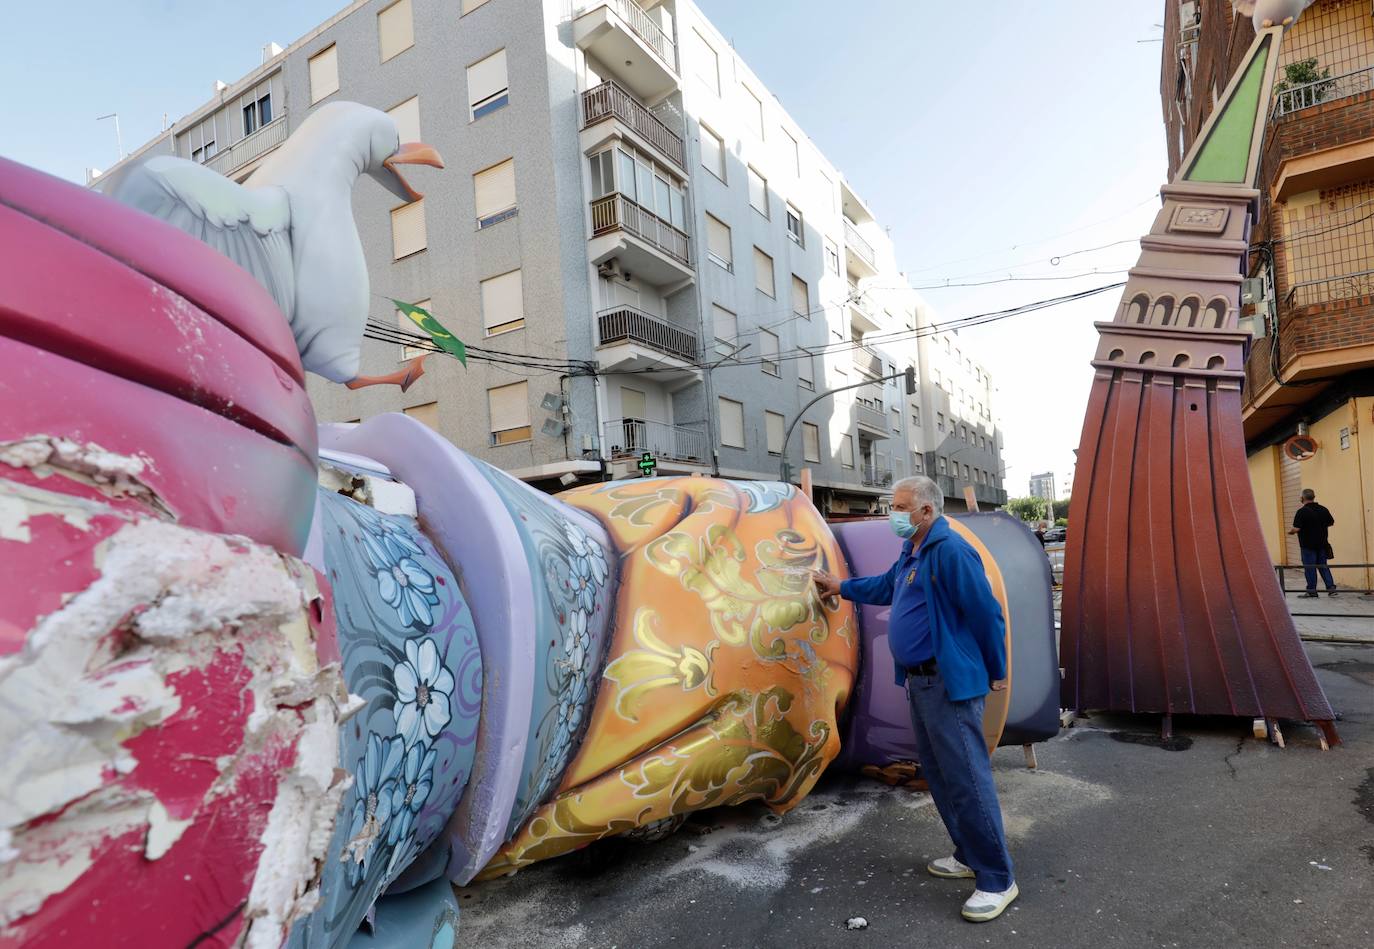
(967, 628)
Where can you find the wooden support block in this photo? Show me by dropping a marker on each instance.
(1259, 729)
(1321, 740)
(1275, 735)
(971, 498)
(1030, 756)
(806, 482)
(1066, 717)
(1328, 732)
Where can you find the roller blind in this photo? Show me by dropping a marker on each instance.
(805, 373)
(510, 406)
(408, 327)
(758, 192)
(718, 240)
(723, 323)
(407, 118)
(408, 229)
(707, 63)
(487, 78)
(847, 451)
(395, 29)
(763, 273)
(503, 302)
(811, 442)
(633, 404)
(427, 414)
(470, 5)
(324, 74)
(713, 153)
(773, 422)
(768, 349)
(495, 189)
(731, 423)
(801, 299)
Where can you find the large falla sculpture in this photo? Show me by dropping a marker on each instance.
(269, 683)
(1170, 604)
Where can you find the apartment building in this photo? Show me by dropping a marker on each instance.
(1042, 486)
(1309, 296)
(642, 249)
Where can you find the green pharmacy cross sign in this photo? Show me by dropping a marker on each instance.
(647, 464)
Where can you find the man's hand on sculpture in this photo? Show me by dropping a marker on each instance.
(999, 686)
(826, 584)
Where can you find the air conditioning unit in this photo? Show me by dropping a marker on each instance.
(609, 268)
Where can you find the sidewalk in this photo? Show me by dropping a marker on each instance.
(1350, 617)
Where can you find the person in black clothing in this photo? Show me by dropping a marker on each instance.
(1310, 523)
(1040, 534)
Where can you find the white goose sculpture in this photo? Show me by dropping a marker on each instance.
(291, 224)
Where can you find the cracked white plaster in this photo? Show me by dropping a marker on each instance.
(113, 474)
(381, 494)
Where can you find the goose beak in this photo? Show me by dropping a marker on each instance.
(411, 153)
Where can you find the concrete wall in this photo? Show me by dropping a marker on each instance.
(1264, 481)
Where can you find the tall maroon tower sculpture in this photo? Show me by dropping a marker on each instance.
(1170, 603)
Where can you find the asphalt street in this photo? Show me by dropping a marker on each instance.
(1213, 840)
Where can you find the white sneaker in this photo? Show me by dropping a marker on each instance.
(947, 868)
(983, 906)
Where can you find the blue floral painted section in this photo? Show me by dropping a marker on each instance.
(569, 561)
(410, 651)
(765, 495)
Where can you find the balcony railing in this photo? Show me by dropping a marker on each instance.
(631, 437)
(863, 248)
(615, 212)
(873, 416)
(1328, 289)
(625, 323)
(876, 473)
(610, 100)
(644, 27)
(243, 151)
(987, 494)
(1314, 93)
(866, 360)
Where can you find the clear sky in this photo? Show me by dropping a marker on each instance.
(989, 137)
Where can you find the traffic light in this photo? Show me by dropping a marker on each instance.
(910, 380)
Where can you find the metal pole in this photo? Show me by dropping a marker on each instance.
(119, 139)
(787, 435)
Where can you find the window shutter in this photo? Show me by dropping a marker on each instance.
(731, 423)
(408, 327)
(408, 229)
(718, 239)
(707, 63)
(753, 111)
(758, 192)
(427, 414)
(713, 153)
(805, 373)
(724, 324)
(324, 74)
(407, 118)
(773, 422)
(763, 273)
(847, 451)
(768, 349)
(633, 404)
(510, 407)
(503, 302)
(801, 299)
(495, 189)
(395, 30)
(811, 442)
(487, 78)
(470, 5)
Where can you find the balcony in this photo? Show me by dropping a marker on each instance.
(249, 148)
(876, 473)
(859, 257)
(1312, 94)
(630, 339)
(987, 494)
(645, 244)
(866, 361)
(611, 101)
(872, 420)
(631, 437)
(626, 38)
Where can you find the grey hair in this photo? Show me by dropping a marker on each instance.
(1308, 494)
(925, 491)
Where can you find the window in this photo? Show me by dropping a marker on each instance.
(806, 372)
(773, 425)
(768, 350)
(753, 111)
(811, 442)
(408, 327)
(758, 192)
(982, 443)
(487, 86)
(791, 152)
(642, 180)
(941, 464)
(395, 29)
(408, 234)
(324, 74)
(407, 119)
(503, 303)
(918, 464)
(936, 374)
(731, 423)
(510, 413)
(846, 451)
(939, 421)
(470, 5)
(495, 193)
(713, 153)
(256, 114)
(794, 225)
(763, 273)
(965, 472)
(706, 63)
(725, 328)
(427, 414)
(827, 190)
(916, 416)
(718, 243)
(634, 407)
(1344, 436)
(200, 140)
(963, 433)
(832, 257)
(801, 297)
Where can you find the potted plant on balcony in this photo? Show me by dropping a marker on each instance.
(1304, 84)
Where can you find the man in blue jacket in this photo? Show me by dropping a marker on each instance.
(947, 636)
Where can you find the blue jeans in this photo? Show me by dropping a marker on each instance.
(955, 763)
(1312, 561)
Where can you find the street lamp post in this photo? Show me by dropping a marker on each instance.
(784, 468)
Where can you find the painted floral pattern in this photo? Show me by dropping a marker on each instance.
(423, 687)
